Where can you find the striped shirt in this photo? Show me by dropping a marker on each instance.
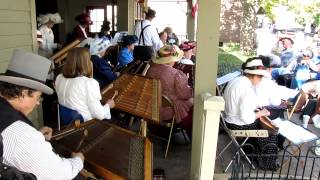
(26, 149)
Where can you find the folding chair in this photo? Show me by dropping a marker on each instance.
(234, 136)
(290, 113)
(222, 81)
(166, 102)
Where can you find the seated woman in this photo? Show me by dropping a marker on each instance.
(174, 84)
(308, 103)
(187, 53)
(126, 53)
(271, 95)
(241, 108)
(102, 71)
(302, 69)
(77, 90)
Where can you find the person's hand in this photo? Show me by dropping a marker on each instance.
(47, 132)
(78, 154)
(117, 74)
(111, 104)
(264, 112)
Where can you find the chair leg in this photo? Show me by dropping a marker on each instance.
(183, 133)
(59, 125)
(169, 139)
(241, 152)
(294, 107)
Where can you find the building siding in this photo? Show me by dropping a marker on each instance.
(17, 22)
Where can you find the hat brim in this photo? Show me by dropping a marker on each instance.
(258, 72)
(169, 59)
(27, 83)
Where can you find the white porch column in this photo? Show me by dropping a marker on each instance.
(204, 129)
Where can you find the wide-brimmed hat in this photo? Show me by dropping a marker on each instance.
(99, 45)
(84, 19)
(167, 54)
(255, 66)
(129, 39)
(28, 70)
(55, 18)
(284, 38)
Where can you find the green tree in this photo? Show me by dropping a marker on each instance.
(248, 26)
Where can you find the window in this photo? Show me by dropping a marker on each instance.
(97, 17)
(112, 16)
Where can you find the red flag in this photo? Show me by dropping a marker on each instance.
(194, 7)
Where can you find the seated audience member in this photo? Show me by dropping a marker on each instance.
(77, 90)
(102, 71)
(302, 69)
(172, 37)
(105, 30)
(24, 147)
(308, 103)
(287, 55)
(241, 108)
(126, 53)
(187, 53)
(174, 84)
(163, 37)
(271, 95)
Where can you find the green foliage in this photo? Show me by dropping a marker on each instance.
(306, 10)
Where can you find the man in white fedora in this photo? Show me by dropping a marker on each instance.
(24, 147)
(241, 108)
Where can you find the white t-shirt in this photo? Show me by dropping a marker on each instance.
(83, 95)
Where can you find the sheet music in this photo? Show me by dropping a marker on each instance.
(228, 77)
(293, 132)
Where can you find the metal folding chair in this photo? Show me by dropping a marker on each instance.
(234, 136)
(222, 81)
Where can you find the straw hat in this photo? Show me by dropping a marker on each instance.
(256, 67)
(28, 70)
(168, 54)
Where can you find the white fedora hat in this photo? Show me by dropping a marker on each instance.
(28, 70)
(256, 67)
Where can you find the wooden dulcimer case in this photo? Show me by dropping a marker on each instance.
(110, 152)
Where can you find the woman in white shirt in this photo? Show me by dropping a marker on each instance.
(241, 109)
(77, 90)
(46, 23)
